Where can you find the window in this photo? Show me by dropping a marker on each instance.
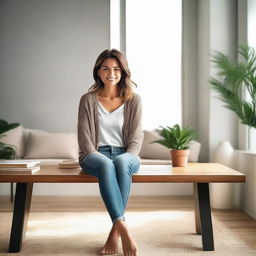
(115, 24)
(153, 50)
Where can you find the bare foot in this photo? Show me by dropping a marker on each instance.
(111, 245)
(130, 247)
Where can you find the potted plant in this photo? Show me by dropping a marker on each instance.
(236, 85)
(177, 140)
(6, 151)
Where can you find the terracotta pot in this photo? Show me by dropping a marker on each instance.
(179, 157)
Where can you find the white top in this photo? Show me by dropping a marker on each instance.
(110, 126)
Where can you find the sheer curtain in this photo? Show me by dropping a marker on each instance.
(153, 49)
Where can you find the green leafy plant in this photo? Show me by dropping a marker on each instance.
(175, 137)
(6, 151)
(234, 79)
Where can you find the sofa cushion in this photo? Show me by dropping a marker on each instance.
(153, 150)
(51, 145)
(26, 137)
(27, 132)
(194, 151)
(15, 138)
(156, 151)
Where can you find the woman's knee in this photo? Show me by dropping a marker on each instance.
(126, 163)
(98, 164)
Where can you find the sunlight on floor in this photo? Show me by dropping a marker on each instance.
(135, 219)
(67, 224)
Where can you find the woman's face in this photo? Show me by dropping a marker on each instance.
(110, 72)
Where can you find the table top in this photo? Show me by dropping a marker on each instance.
(192, 173)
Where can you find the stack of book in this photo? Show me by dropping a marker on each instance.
(69, 164)
(19, 166)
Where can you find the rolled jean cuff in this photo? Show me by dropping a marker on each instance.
(118, 218)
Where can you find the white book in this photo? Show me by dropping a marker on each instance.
(18, 163)
(19, 170)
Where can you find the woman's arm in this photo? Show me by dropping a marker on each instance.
(136, 135)
(83, 129)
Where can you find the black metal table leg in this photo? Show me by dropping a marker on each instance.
(205, 216)
(20, 215)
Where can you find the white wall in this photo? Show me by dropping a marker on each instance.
(217, 31)
(223, 37)
(189, 64)
(203, 75)
(245, 193)
(48, 49)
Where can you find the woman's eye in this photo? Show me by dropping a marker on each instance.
(107, 69)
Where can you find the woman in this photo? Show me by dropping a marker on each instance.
(110, 137)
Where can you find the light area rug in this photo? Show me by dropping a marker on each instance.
(158, 233)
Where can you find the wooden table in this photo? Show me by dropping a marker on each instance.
(200, 174)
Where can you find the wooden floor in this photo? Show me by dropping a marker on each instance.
(236, 220)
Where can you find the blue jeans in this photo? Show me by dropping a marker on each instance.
(113, 167)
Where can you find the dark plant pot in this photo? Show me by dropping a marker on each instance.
(179, 157)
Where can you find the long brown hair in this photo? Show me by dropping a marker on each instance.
(125, 85)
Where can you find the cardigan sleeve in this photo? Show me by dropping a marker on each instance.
(83, 130)
(136, 135)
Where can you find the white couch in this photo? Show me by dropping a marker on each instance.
(52, 148)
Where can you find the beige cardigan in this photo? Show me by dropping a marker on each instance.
(88, 125)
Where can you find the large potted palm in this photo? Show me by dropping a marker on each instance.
(236, 85)
(177, 139)
(6, 151)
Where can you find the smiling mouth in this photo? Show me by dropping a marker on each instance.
(111, 79)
